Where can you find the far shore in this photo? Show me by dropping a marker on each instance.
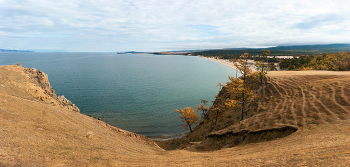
(227, 63)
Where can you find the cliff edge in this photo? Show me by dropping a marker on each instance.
(37, 128)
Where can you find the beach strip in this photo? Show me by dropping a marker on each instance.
(227, 63)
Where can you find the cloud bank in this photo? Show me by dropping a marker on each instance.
(160, 25)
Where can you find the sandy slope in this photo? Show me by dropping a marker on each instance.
(35, 132)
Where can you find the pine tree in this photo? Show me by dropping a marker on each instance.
(202, 108)
(218, 110)
(240, 93)
(189, 117)
(263, 66)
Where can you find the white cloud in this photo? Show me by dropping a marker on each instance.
(153, 25)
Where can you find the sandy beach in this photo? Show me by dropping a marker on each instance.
(227, 63)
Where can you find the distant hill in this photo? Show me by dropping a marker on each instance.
(5, 50)
(337, 47)
(320, 48)
(295, 50)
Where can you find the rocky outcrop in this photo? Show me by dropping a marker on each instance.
(65, 102)
(42, 79)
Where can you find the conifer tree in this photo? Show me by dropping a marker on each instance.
(218, 110)
(262, 65)
(189, 117)
(202, 108)
(237, 88)
(220, 84)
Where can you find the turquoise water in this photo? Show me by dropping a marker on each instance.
(135, 92)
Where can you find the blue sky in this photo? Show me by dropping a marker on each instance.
(163, 25)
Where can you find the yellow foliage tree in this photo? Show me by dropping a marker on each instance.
(202, 108)
(242, 64)
(189, 117)
(263, 66)
(240, 93)
(218, 110)
(220, 84)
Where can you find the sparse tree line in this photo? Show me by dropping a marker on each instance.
(240, 92)
(331, 61)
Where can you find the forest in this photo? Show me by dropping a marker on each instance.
(253, 53)
(295, 51)
(328, 61)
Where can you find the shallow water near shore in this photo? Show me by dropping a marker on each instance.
(135, 92)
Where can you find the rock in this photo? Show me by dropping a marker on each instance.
(65, 102)
(42, 79)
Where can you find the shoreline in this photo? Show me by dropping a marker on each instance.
(166, 137)
(225, 62)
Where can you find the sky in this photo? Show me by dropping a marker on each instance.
(169, 25)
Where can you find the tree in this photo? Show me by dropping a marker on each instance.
(238, 87)
(189, 117)
(218, 110)
(220, 84)
(245, 70)
(239, 93)
(262, 65)
(266, 53)
(202, 108)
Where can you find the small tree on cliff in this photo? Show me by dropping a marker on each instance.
(189, 117)
(218, 111)
(202, 108)
(239, 86)
(239, 94)
(220, 84)
(262, 66)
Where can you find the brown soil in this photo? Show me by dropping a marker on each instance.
(38, 131)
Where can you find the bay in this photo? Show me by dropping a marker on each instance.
(135, 92)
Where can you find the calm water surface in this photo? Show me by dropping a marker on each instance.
(135, 92)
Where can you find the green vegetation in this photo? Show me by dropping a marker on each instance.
(332, 61)
(255, 54)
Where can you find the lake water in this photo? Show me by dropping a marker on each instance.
(135, 92)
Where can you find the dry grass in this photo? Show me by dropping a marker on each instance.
(39, 132)
(298, 99)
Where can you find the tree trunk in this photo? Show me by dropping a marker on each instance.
(190, 127)
(245, 68)
(262, 74)
(242, 107)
